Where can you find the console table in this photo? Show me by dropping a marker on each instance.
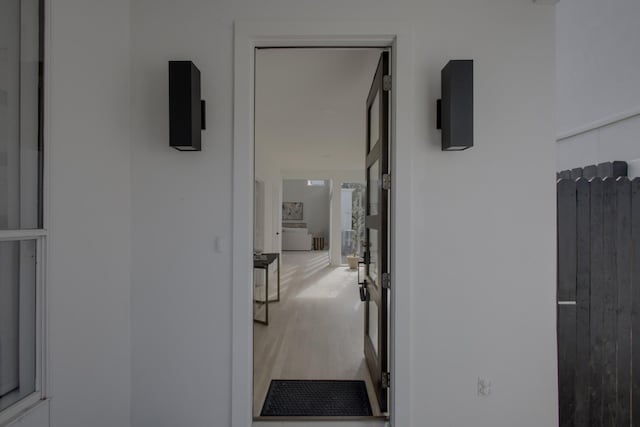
(262, 262)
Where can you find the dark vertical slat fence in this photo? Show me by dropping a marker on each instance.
(590, 172)
(615, 169)
(596, 316)
(566, 242)
(567, 292)
(564, 174)
(635, 300)
(583, 300)
(576, 173)
(566, 364)
(609, 294)
(623, 333)
(619, 169)
(599, 301)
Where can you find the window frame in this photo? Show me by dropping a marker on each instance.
(38, 235)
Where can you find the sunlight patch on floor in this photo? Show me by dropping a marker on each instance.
(329, 286)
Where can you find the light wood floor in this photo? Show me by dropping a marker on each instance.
(315, 331)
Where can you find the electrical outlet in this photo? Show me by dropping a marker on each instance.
(484, 387)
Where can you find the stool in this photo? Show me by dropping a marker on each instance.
(318, 243)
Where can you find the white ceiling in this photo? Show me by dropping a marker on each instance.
(310, 107)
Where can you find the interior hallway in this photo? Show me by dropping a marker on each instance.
(315, 331)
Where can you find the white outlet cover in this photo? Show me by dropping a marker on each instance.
(484, 387)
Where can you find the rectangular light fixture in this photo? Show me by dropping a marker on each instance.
(455, 110)
(186, 110)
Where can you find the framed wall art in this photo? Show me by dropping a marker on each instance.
(292, 211)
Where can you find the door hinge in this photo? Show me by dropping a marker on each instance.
(386, 280)
(386, 181)
(386, 380)
(386, 83)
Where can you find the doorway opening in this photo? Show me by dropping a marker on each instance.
(321, 201)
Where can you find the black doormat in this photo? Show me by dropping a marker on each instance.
(316, 398)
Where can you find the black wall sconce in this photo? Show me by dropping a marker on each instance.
(186, 109)
(455, 109)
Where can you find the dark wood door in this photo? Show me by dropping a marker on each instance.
(375, 288)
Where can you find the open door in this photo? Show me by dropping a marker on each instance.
(375, 287)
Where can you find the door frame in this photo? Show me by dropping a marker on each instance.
(247, 37)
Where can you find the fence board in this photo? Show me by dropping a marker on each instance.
(566, 240)
(583, 293)
(635, 308)
(605, 169)
(566, 364)
(576, 173)
(566, 316)
(609, 302)
(596, 304)
(566, 174)
(590, 172)
(619, 169)
(623, 333)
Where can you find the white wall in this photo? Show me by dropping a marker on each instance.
(617, 141)
(181, 293)
(258, 215)
(315, 204)
(38, 416)
(271, 209)
(88, 144)
(598, 58)
(482, 246)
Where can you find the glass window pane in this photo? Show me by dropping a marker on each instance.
(20, 153)
(17, 320)
(374, 122)
(9, 326)
(352, 219)
(374, 173)
(373, 324)
(373, 255)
